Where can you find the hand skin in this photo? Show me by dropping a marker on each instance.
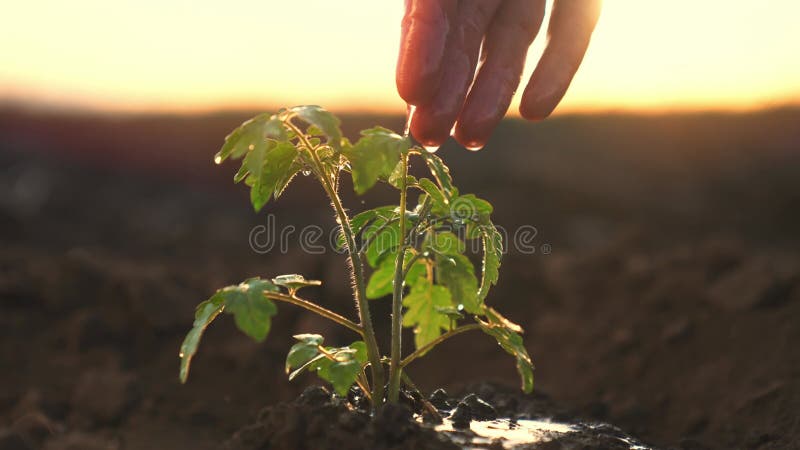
(440, 52)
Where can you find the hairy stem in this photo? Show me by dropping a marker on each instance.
(424, 349)
(397, 295)
(313, 307)
(359, 288)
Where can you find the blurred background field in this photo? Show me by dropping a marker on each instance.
(663, 296)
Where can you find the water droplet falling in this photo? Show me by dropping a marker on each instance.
(409, 114)
(431, 148)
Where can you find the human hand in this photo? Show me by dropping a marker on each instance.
(439, 48)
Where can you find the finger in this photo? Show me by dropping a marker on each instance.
(433, 121)
(506, 44)
(423, 37)
(570, 29)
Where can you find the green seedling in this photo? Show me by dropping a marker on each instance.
(415, 254)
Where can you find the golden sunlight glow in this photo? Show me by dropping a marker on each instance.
(201, 54)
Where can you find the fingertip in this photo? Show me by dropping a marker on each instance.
(468, 140)
(423, 39)
(428, 132)
(533, 112)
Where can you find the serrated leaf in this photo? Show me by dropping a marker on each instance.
(445, 243)
(513, 344)
(441, 172)
(384, 239)
(440, 203)
(468, 208)
(381, 281)
(294, 282)
(287, 178)
(374, 156)
(361, 351)
(341, 373)
(250, 134)
(421, 314)
(363, 219)
(323, 120)
(339, 366)
(205, 313)
(452, 312)
(304, 351)
(494, 317)
(492, 242)
(457, 274)
(252, 313)
(267, 165)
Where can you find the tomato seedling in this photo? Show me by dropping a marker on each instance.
(415, 254)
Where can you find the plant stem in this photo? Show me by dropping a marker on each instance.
(424, 349)
(362, 305)
(313, 307)
(397, 295)
(425, 403)
(359, 288)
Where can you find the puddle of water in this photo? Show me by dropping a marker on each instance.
(511, 433)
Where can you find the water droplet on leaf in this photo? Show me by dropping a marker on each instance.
(306, 172)
(218, 159)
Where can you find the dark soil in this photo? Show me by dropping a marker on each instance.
(663, 297)
(317, 421)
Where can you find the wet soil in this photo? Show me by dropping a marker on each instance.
(663, 296)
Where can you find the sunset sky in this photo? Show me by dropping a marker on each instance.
(172, 55)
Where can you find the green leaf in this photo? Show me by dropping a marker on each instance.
(381, 281)
(341, 372)
(304, 351)
(375, 156)
(339, 366)
(396, 177)
(252, 311)
(441, 172)
(250, 135)
(322, 120)
(363, 219)
(440, 203)
(456, 272)
(418, 272)
(492, 242)
(509, 339)
(267, 165)
(246, 301)
(294, 282)
(205, 313)
(384, 237)
(446, 243)
(287, 177)
(421, 314)
(361, 351)
(468, 208)
(452, 312)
